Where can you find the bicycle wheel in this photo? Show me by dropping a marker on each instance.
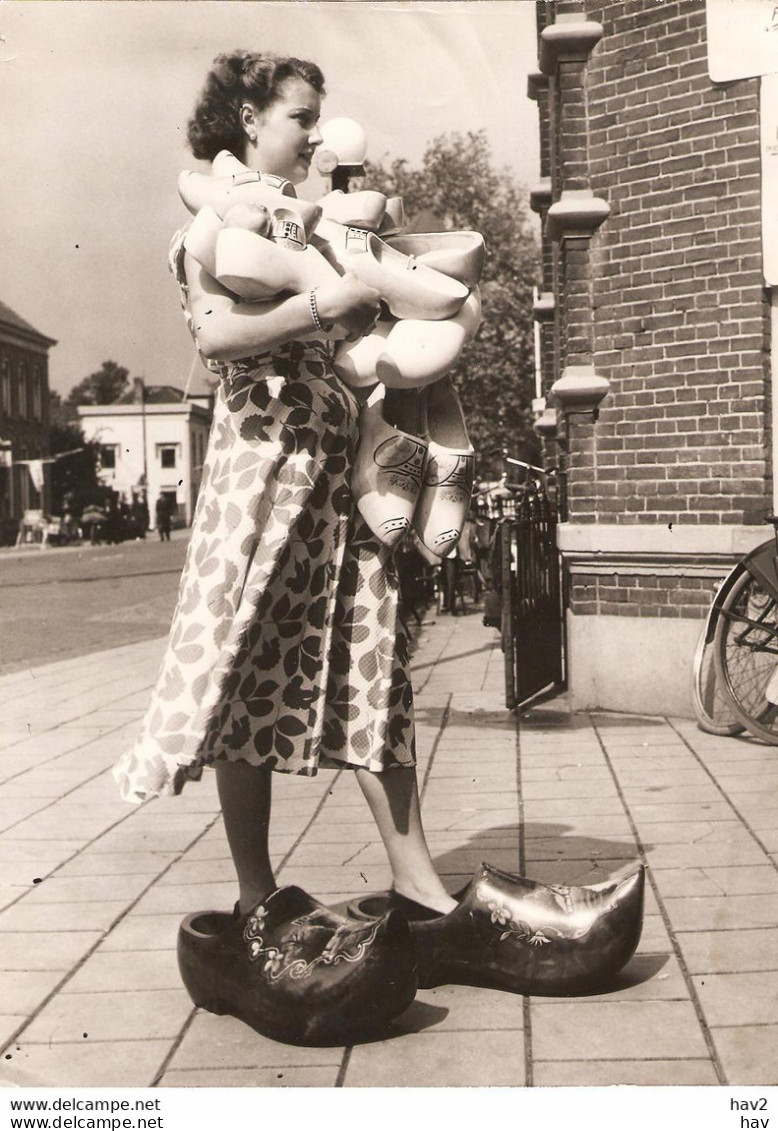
(746, 656)
(712, 708)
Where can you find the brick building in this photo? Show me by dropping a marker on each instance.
(649, 197)
(24, 419)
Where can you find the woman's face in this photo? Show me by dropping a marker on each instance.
(287, 132)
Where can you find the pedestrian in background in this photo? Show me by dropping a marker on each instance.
(162, 518)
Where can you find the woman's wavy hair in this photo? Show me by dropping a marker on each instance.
(234, 78)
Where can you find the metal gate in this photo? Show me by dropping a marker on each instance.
(532, 621)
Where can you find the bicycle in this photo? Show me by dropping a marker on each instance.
(740, 636)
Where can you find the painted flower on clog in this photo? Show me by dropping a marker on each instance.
(500, 914)
(273, 963)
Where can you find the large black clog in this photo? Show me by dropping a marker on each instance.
(298, 972)
(513, 933)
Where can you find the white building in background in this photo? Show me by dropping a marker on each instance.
(155, 444)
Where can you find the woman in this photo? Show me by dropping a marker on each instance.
(285, 652)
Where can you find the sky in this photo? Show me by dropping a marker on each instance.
(94, 100)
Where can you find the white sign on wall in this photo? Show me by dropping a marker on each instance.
(742, 38)
(768, 144)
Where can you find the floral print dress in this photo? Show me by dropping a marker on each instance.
(286, 648)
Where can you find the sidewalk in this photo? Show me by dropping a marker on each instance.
(93, 890)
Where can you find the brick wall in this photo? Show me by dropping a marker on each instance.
(680, 323)
(622, 594)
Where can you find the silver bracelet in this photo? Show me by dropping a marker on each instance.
(315, 310)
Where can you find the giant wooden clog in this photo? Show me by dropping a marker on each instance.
(387, 471)
(410, 289)
(257, 269)
(532, 938)
(458, 254)
(447, 485)
(298, 972)
(409, 353)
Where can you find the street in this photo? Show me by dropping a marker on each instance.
(58, 604)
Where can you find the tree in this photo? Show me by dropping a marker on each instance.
(74, 479)
(458, 187)
(106, 386)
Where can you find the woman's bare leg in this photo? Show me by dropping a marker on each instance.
(244, 793)
(393, 797)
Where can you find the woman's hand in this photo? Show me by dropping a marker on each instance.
(351, 304)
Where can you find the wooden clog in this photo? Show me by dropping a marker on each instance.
(447, 485)
(409, 353)
(458, 254)
(410, 289)
(387, 471)
(298, 972)
(257, 269)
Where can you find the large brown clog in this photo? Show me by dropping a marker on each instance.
(298, 972)
(513, 933)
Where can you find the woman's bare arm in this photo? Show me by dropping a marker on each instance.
(227, 330)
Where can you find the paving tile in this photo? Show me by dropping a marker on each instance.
(143, 932)
(29, 915)
(738, 999)
(730, 952)
(121, 1016)
(45, 951)
(290, 1076)
(626, 1029)
(84, 1064)
(225, 1042)
(560, 789)
(14, 851)
(106, 971)
(9, 1024)
(580, 848)
(718, 913)
(606, 1073)
(23, 991)
(93, 863)
(90, 889)
(185, 898)
(460, 1008)
(441, 1060)
(706, 811)
(724, 855)
(717, 881)
(546, 808)
(748, 1054)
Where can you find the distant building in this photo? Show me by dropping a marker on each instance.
(24, 420)
(154, 446)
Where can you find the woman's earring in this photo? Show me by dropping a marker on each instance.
(252, 136)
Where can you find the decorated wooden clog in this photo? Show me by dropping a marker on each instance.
(409, 353)
(447, 484)
(410, 289)
(298, 972)
(387, 471)
(516, 934)
(458, 254)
